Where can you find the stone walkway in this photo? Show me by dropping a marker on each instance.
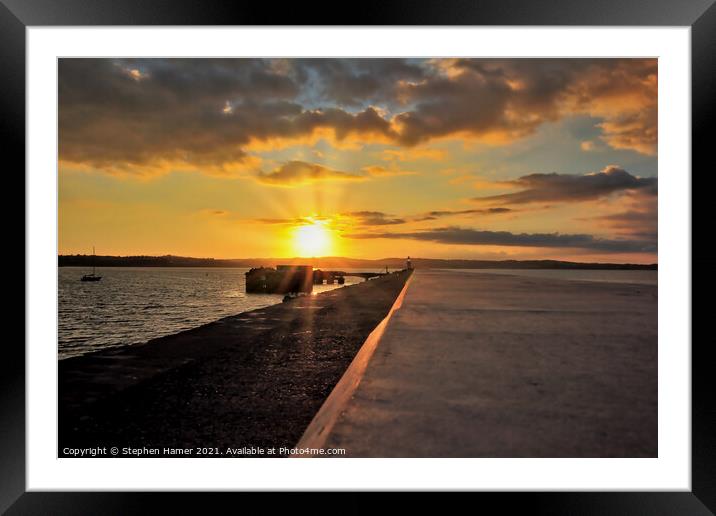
(488, 365)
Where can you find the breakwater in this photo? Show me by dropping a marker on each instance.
(253, 379)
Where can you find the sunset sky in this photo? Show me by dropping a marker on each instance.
(366, 158)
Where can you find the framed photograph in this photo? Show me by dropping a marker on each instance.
(439, 249)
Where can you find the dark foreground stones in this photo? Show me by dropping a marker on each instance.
(251, 380)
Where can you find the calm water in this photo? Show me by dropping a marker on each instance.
(134, 304)
(640, 277)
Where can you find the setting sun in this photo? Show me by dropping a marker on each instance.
(312, 240)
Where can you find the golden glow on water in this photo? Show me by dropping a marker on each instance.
(312, 240)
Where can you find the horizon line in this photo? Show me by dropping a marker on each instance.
(349, 258)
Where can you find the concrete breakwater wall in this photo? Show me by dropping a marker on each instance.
(491, 365)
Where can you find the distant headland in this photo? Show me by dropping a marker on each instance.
(80, 260)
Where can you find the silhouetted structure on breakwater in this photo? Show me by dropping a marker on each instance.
(290, 279)
(281, 280)
(329, 277)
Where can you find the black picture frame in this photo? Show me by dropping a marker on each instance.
(700, 15)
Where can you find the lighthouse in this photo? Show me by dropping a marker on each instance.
(408, 264)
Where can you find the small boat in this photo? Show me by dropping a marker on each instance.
(93, 276)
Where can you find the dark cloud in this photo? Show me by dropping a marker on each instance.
(505, 99)
(433, 215)
(380, 218)
(144, 115)
(374, 218)
(461, 236)
(358, 82)
(121, 114)
(300, 172)
(629, 217)
(139, 116)
(571, 187)
(465, 104)
(638, 217)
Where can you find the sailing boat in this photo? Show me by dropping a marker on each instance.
(93, 276)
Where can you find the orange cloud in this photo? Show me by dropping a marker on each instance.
(296, 173)
(414, 154)
(378, 171)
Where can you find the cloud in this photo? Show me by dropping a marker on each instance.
(636, 224)
(461, 236)
(485, 211)
(414, 154)
(340, 221)
(374, 218)
(147, 116)
(621, 92)
(635, 131)
(571, 187)
(637, 217)
(296, 173)
(351, 219)
(378, 171)
(296, 221)
(499, 100)
(435, 214)
(357, 82)
(293, 221)
(175, 117)
(628, 217)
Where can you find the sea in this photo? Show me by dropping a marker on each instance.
(132, 305)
